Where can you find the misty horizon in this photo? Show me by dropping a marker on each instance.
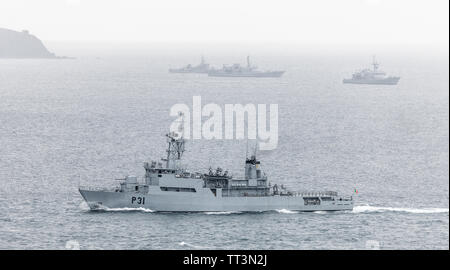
(354, 23)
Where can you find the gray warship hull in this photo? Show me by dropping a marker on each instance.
(270, 74)
(173, 189)
(387, 81)
(205, 201)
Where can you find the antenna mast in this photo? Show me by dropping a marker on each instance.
(176, 145)
(375, 64)
(246, 150)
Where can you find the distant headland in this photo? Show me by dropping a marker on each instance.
(14, 44)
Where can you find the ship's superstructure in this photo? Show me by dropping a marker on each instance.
(168, 187)
(372, 76)
(236, 70)
(203, 67)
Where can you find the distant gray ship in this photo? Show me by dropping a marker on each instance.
(200, 68)
(236, 70)
(375, 76)
(174, 189)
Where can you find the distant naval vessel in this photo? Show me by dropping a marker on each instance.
(200, 68)
(171, 188)
(236, 70)
(375, 76)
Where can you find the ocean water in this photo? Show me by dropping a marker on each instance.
(88, 121)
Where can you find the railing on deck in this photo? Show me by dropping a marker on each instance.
(315, 193)
(91, 188)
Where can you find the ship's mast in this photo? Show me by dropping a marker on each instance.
(175, 148)
(252, 169)
(246, 150)
(375, 64)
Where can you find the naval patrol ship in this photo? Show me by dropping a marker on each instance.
(170, 188)
(236, 70)
(369, 76)
(203, 67)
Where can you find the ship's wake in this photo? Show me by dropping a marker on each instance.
(123, 209)
(286, 211)
(223, 213)
(127, 209)
(357, 209)
(85, 207)
(368, 209)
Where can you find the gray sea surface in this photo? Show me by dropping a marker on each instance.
(90, 120)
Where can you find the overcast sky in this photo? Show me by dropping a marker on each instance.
(306, 21)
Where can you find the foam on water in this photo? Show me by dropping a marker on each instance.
(84, 206)
(222, 213)
(285, 211)
(368, 208)
(126, 209)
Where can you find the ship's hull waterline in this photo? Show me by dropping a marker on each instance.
(204, 201)
(389, 81)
